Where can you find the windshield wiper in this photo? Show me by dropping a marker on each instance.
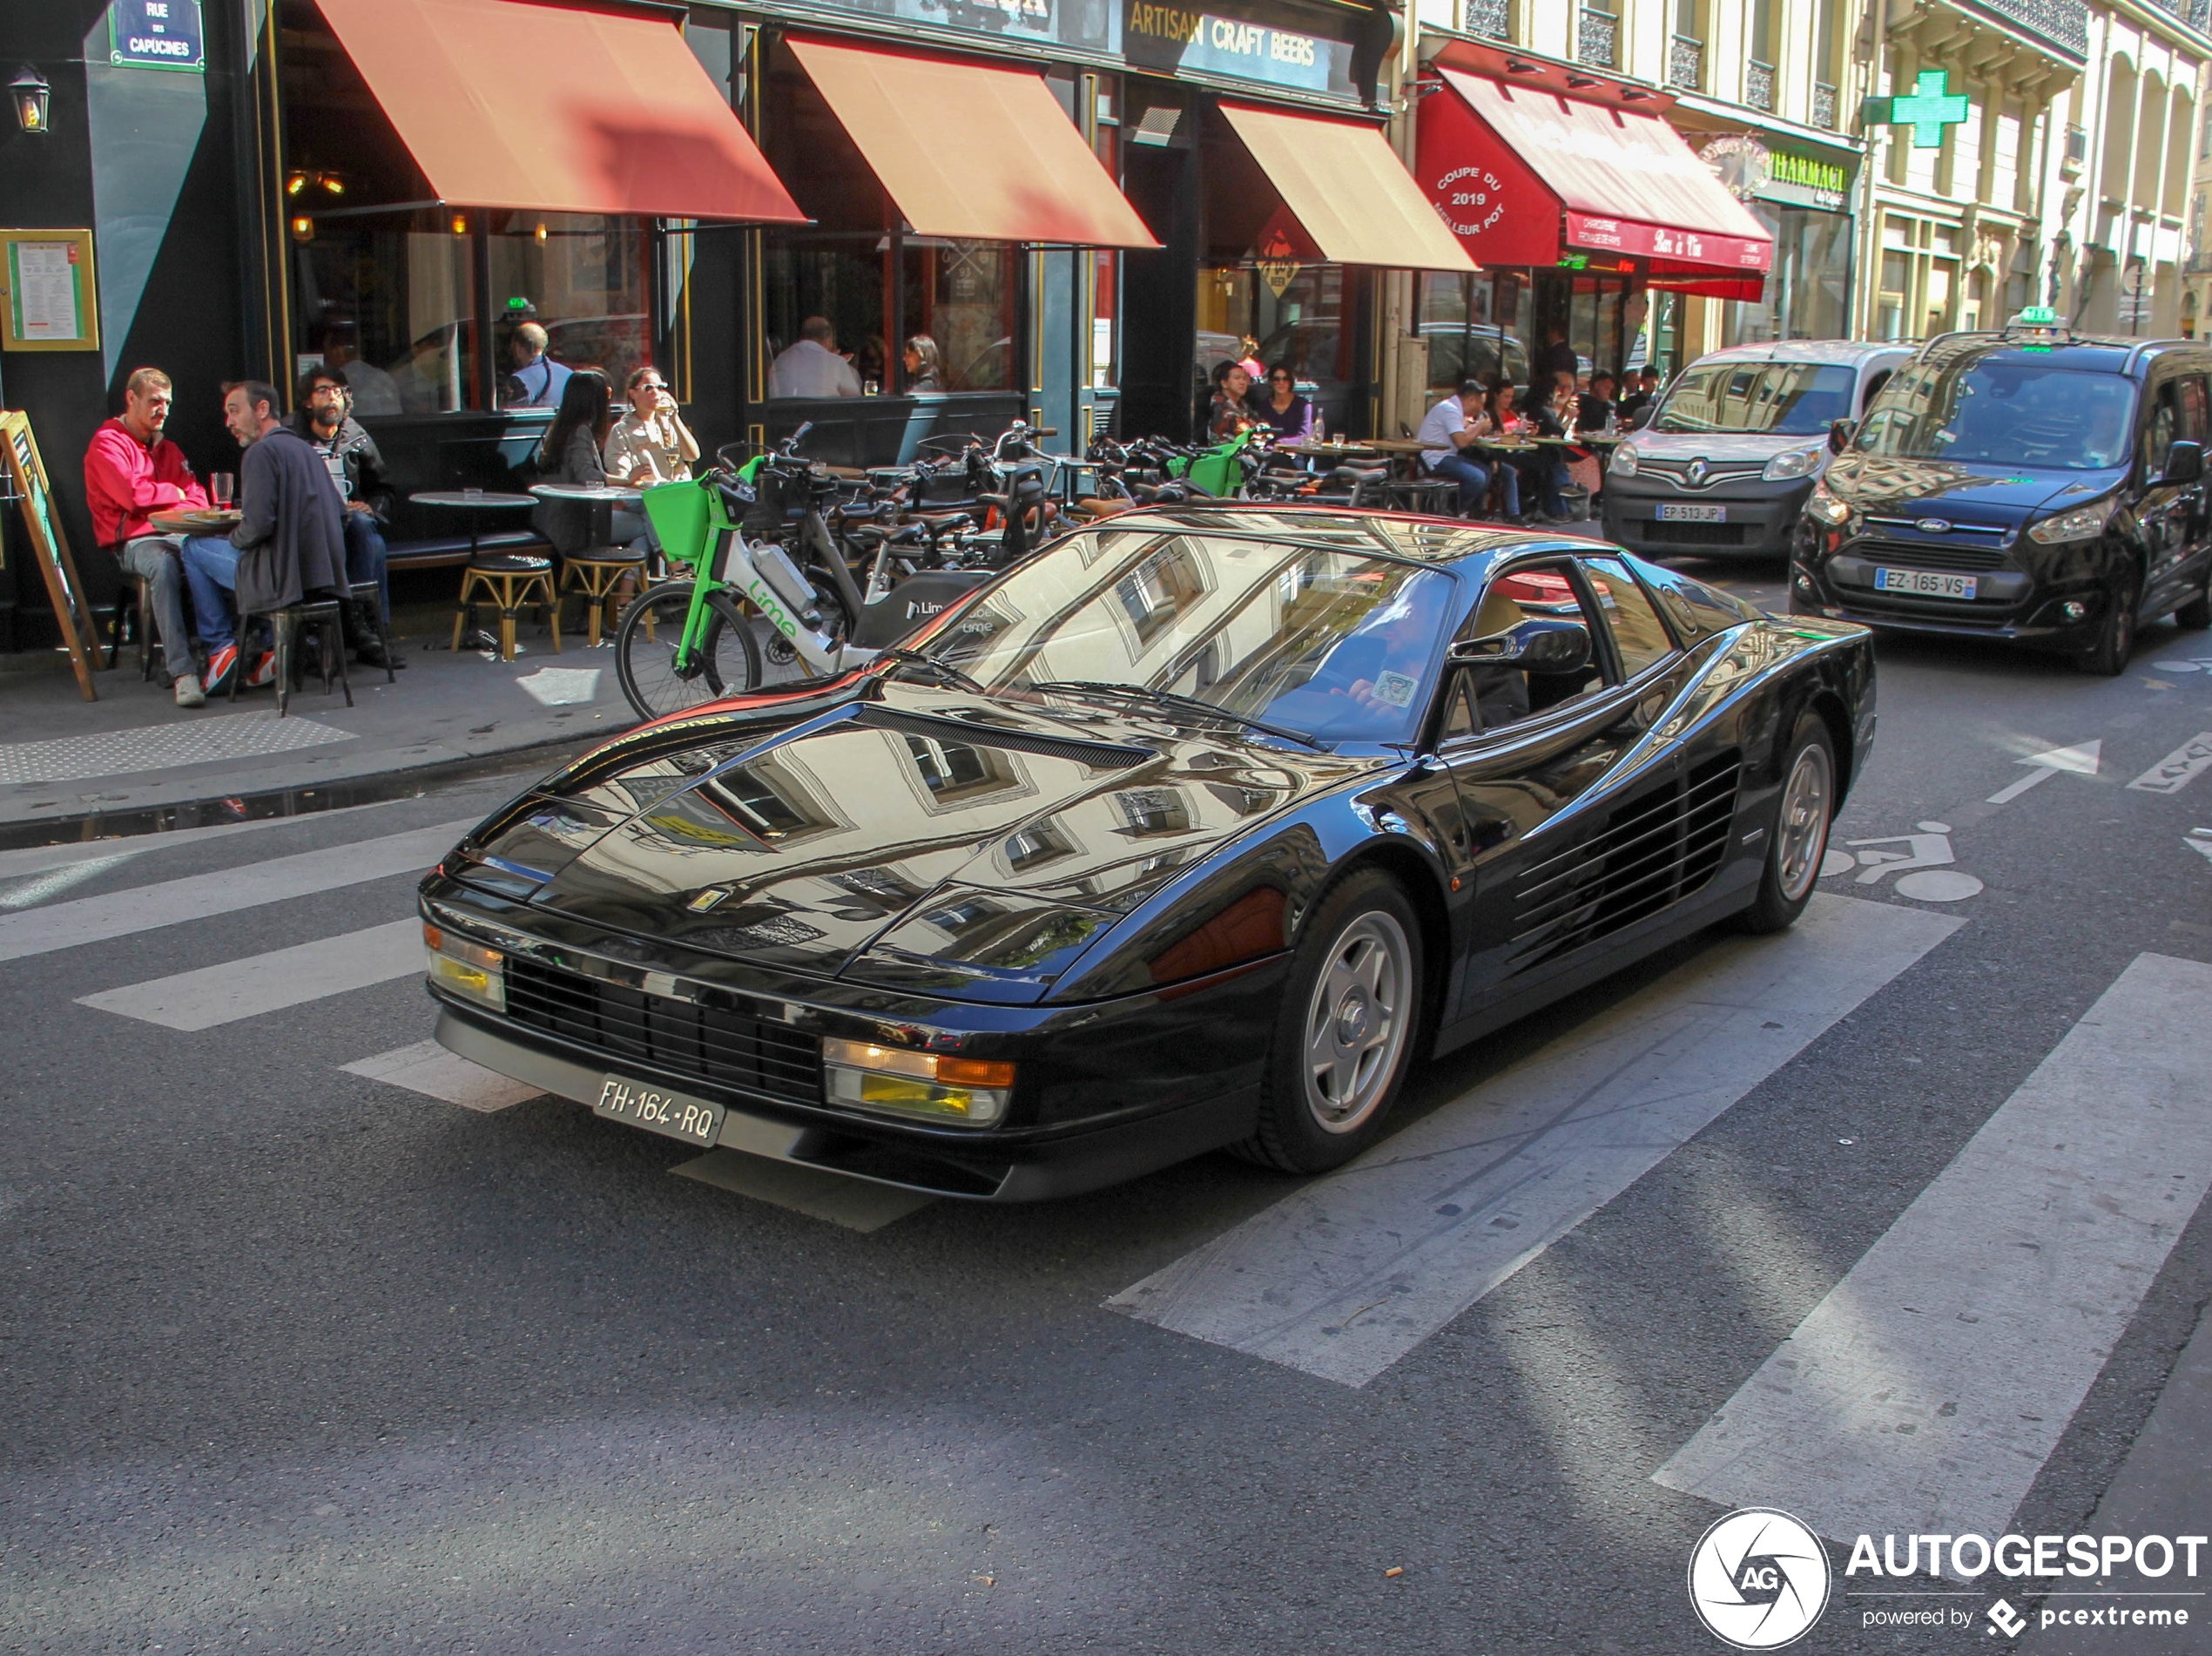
(943, 672)
(1168, 698)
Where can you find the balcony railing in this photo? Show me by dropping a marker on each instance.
(1758, 84)
(1824, 105)
(1597, 37)
(1686, 63)
(2192, 12)
(2062, 23)
(1491, 18)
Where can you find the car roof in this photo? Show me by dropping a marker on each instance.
(1425, 540)
(1847, 352)
(2085, 352)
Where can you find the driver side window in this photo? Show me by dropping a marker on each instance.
(1491, 698)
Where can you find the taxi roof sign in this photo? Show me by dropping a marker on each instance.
(2036, 316)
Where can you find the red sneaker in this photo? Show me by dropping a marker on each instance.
(264, 671)
(220, 666)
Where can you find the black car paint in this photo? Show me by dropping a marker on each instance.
(1142, 1042)
(2161, 534)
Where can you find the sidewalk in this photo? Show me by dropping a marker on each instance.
(61, 756)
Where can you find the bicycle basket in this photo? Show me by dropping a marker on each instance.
(682, 514)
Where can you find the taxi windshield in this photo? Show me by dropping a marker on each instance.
(1336, 646)
(1979, 410)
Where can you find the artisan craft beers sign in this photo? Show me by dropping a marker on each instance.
(1241, 43)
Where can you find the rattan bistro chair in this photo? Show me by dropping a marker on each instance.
(508, 582)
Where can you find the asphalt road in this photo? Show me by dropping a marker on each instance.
(301, 1360)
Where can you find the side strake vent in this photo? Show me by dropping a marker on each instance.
(1655, 850)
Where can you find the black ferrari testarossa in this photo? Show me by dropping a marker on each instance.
(1196, 829)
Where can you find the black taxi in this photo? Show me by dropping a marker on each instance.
(2031, 484)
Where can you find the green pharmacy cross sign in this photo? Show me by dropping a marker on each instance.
(1927, 109)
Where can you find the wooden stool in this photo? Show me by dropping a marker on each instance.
(509, 582)
(134, 603)
(321, 613)
(597, 571)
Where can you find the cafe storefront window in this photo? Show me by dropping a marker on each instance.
(385, 300)
(583, 279)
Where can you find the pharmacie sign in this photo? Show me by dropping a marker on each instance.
(1241, 43)
(1754, 171)
(155, 34)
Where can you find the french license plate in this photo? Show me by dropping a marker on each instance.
(693, 1120)
(1669, 513)
(1924, 583)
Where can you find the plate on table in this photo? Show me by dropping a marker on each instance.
(195, 523)
(1925, 583)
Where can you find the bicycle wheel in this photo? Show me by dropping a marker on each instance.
(727, 664)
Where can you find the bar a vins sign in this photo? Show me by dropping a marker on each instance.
(156, 34)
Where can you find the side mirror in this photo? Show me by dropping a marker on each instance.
(2184, 463)
(1538, 646)
(1839, 435)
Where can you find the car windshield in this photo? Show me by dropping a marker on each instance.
(1334, 646)
(1984, 411)
(1772, 399)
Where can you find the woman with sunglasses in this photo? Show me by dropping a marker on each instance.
(1289, 415)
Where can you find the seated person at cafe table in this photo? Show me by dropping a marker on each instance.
(1593, 408)
(572, 454)
(924, 364)
(537, 380)
(1289, 415)
(324, 421)
(289, 545)
(649, 443)
(130, 472)
(812, 365)
(1447, 437)
(1543, 469)
(1228, 411)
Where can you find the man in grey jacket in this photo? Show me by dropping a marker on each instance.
(290, 542)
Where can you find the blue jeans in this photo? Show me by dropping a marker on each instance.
(1548, 475)
(211, 570)
(365, 557)
(1471, 475)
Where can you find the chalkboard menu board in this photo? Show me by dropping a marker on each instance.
(72, 611)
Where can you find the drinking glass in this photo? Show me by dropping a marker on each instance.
(871, 388)
(222, 488)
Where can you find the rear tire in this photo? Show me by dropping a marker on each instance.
(645, 652)
(1799, 841)
(2107, 657)
(1344, 1039)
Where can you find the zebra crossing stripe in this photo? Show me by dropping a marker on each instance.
(121, 914)
(427, 1068)
(214, 995)
(1925, 1391)
(1348, 1274)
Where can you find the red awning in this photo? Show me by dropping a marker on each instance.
(510, 104)
(969, 150)
(1522, 174)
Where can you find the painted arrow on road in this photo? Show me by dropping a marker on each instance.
(2199, 841)
(2082, 760)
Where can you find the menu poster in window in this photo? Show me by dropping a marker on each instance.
(48, 299)
(72, 611)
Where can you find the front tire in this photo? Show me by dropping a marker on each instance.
(1345, 1038)
(2107, 657)
(1802, 820)
(728, 663)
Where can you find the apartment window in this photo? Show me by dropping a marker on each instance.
(1759, 71)
(1597, 34)
(1686, 51)
(1826, 66)
(1492, 19)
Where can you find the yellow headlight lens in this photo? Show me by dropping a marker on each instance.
(468, 970)
(897, 1078)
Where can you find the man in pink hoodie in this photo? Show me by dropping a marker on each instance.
(130, 472)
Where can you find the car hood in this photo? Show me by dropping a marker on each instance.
(1879, 483)
(930, 841)
(1719, 445)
